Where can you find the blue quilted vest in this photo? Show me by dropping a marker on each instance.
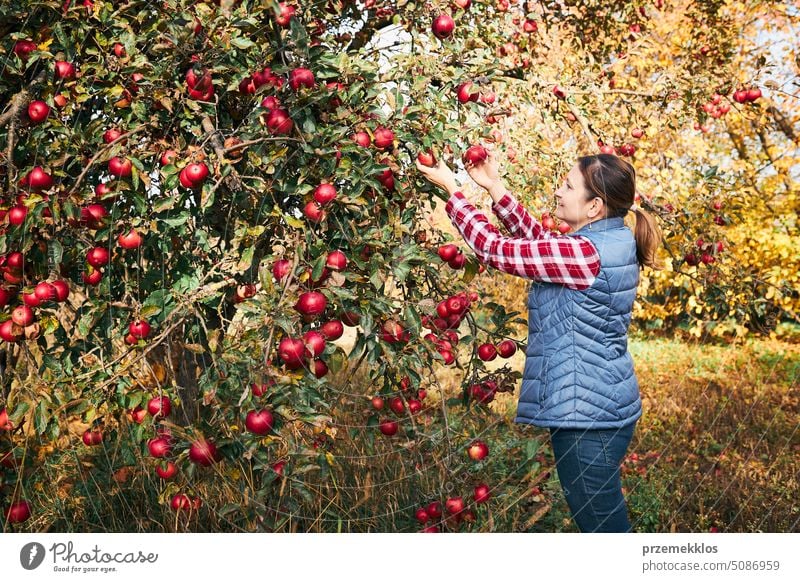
(578, 371)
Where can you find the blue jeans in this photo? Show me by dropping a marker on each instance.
(588, 464)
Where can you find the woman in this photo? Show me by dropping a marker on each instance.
(578, 379)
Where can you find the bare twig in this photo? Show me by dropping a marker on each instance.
(100, 153)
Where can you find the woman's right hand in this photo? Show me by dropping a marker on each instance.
(485, 173)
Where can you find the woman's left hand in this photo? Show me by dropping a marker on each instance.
(440, 175)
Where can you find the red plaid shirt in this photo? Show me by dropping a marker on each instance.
(532, 252)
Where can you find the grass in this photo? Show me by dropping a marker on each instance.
(717, 446)
(716, 450)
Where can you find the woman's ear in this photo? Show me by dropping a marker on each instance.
(595, 207)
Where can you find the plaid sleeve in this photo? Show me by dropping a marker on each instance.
(518, 220)
(571, 261)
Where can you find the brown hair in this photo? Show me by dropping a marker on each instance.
(614, 180)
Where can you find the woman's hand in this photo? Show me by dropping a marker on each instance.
(440, 175)
(485, 173)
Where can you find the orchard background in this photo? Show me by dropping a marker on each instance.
(227, 299)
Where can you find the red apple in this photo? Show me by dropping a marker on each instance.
(196, 173)
(94, 215)
(281, 269)
(559, 92)
(159, 406)
(120, 167)
(301, 77)
(92, 438)
(426, 158)
(753, 94)
(38, 179)
(332, 330)
(443, 26)
(475, 154)
(111, 135)
(506, 348)
(482, 493)
(166, 471)
(464, 93)
(454, 505)
(478, 450)
(64, 70)
(384, 138)
(292, 351)
(487, 352)
(315, 342)
(62, 289)
(284, 16)
(44, 291)
(131, 240)
(18, 512)
(421, 515)
(458, 261)
(180, 501)
(389, 427)
(159, 447)
(168, 157)
(279, 122)
(138, 415)
(314, 212)
(637, 132)
(93, 277)
(362, 138)
(203, 452)
(102, 191)
(23, 48)
(22, 315)
(270, 102)
(336, 260)
(16, 215)
(319, 368)
(324, 193)
(311, 303)
(38, 111)
(98, 257)
(434, 510)
(139, 329)
(259, 422)
(397, 405)
(5, 424)
(377, 403)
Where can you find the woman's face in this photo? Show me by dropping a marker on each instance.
(573, 206)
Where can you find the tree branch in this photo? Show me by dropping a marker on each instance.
(233, 180)
(20, 100)
(100, 154)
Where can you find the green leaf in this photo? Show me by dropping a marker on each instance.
(246, 259)
(319, 265)
(242, 43)
(55, 253)
(162, 204)
(176, 220)
(401, 270)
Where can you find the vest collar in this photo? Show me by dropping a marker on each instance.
(602, 224)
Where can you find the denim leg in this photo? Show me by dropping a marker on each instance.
(588, 465)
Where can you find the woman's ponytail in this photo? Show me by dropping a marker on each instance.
(614, 181)
(648, 239)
